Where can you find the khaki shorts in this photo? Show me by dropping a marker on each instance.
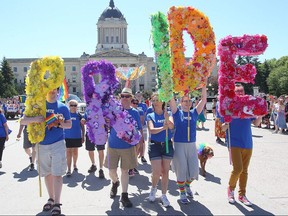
(52, 159)
(127, 157)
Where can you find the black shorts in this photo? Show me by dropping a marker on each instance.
(26, 141)
(91, 146)
(73, 143)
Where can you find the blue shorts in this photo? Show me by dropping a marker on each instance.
(157, 150)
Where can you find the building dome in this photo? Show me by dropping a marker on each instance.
(111, 12)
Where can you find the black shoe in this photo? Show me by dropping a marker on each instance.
(143, 160)
(125, 200)
(93, 168)
(114, 188)
(135, 171)
(31, 167)
(101, 174)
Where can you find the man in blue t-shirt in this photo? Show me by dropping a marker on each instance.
(121, 151)
(240, 146)
(52, 150)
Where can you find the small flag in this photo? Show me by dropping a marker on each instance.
(51, 118)
(63, 91)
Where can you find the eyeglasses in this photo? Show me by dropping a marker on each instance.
(155, 100)
(125, 96)
(135, 103)
(73, 105)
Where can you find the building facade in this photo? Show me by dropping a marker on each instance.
(111, 46)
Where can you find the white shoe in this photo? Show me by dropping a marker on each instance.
(165, 201)
(245, 201)
(152, 195)
(231, 198)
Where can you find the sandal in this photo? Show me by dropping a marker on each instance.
(56, 210)
(48, 206)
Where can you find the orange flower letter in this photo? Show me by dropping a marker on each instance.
(191, 75)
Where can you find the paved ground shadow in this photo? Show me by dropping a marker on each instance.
(253, 210)
(210, 177)
(74, 179)
(93, 183)
(141, 201)
(25, 174)
(2, 173)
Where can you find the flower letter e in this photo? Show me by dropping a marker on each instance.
(231, 105)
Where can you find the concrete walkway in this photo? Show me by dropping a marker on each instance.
(86, 194)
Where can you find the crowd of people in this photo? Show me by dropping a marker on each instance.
(171, 139)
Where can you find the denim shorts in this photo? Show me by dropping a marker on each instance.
(157, 150)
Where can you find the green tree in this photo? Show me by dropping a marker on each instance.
(278, 81)
(1, 86)
(265, 70)
(8, 79)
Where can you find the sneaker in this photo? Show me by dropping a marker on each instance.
(143, 160)
(231, 198)
(152, 195)
(114, 188)
(92, 169)
(76, 169)
(101, 174)
(125, 201)
(68, 174)
(165, 201)
(244, 200)
(183, 198)
(31, 167)
(131, 172)
(135, 171)
(189, 192)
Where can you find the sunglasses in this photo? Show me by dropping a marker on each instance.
(135, 103)
(125, 96)
(73, 105)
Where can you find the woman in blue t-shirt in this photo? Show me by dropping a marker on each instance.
(185, 160)
(158, 122)
(4, 135)
(74, 137)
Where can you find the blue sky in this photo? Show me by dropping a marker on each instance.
(67, 28)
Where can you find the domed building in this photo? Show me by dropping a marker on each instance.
(111, 45)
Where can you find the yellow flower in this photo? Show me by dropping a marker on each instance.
(36, 90)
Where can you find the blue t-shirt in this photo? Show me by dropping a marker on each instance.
(55, 134)
(149, 110)
(141, 113)
(75, 132)
(240, 133)
(2, 128)
(116, 142)
(158, 121)
(181, 125)
(142, 106)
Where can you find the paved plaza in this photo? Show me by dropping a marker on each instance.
(86, 194)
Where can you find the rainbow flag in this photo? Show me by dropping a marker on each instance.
(63, 91)
(51, 118)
